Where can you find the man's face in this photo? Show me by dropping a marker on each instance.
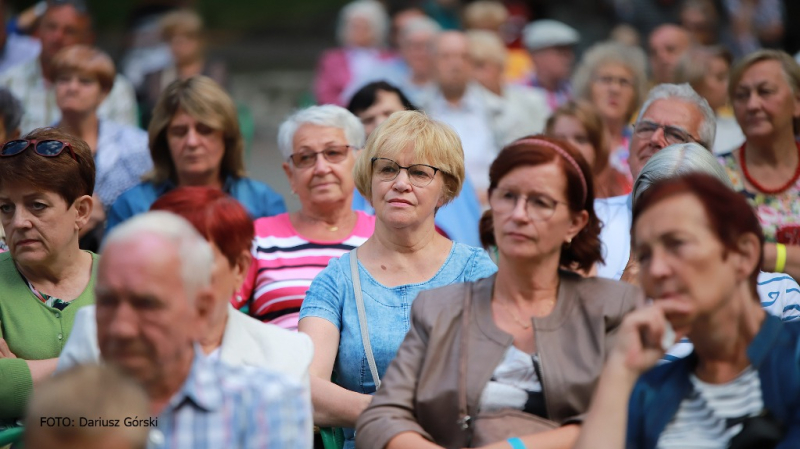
(146, 323)
(61, 27)
(452, 63)
(676, 113)
(666, 45)
(554, 63)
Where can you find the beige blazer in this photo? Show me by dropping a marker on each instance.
(420, 388)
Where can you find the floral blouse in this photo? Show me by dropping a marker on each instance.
(779, 214)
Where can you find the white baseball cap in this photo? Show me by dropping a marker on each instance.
(547, 33)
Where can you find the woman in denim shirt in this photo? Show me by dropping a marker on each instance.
(411, 166)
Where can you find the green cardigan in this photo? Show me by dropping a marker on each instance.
(32, 331)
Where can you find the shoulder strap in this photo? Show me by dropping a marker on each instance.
(362, 318)
(463, 410)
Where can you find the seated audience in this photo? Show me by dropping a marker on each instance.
(411, 166)
(154, 294)
(525, 346)
(456, 220)
(99, 401)
(83, 78)
(613, 78)
(550, 44)
(46, 186)
(699, 245)
(361, 30)
(65, 23)
(755, 24)
(671, 114)
(665, 45)
(229, 335)
(195, 141)
(320, 144)
(765, 92)
(707, 69)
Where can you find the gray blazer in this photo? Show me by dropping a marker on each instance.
(420, 388)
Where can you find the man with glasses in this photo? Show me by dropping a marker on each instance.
(671, 114)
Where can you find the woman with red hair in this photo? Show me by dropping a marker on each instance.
(231, 336)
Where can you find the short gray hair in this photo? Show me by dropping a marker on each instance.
(11, 110)
(371, 10)
(423, 24)
(325, 115)
(677, 160)
(196, 255)
(603, 53)
(684, 92)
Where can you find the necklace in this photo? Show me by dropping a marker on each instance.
(763, 189)
(333, 228)
(522, 324)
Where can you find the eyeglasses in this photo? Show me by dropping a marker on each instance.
(333, 154)
(46, 148)
(608, 80)
(645, 130)
(420, 175)
(538, 207)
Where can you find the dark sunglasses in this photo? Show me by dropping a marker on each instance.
(46, 148)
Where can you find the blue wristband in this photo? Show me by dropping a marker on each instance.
(516, 443)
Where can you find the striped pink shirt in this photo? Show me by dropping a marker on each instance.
(284, 265)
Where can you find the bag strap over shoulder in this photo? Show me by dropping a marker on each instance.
(362, 318)
(463, 410)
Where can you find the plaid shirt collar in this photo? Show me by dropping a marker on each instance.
(202, 387)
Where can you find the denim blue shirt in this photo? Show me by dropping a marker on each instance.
(774, 353)
(388, 311)
(258, 198)
(122, 157)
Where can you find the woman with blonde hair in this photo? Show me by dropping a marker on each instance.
(357, 309)
(195, 141)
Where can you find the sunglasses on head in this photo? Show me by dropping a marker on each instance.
(46, 148)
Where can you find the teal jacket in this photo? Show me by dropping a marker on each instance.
(774, 353)
(32, 331)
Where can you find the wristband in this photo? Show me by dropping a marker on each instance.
(780, 258)
(516, 443)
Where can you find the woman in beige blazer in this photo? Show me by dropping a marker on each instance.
(529, 341)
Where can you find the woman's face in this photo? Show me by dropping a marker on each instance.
(715, 83)
(39, 224)
(538, 227)
(196, 148)
(78, 93)
(681, 259)
(572, 130)
(399, 203)
(226, 279)
(612, 91)
(185, 47)
(386, 104)
(325, 182)
(359, 32)
(763, 101)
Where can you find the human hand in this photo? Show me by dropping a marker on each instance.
(5, 352)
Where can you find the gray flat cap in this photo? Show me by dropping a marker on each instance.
(548, 33)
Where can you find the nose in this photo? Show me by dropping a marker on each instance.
(192, 137)
(21, 219)
(120, 323)
(402, 182)
(753, 101)
(658, 139)
(520, 211)
(321, 165)
(657, 267)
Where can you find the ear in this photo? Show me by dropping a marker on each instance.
(749, 253)
(240, 268)
(204, 307)
(577, 223)
(84, 205)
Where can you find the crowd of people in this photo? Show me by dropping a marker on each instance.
(500, 242)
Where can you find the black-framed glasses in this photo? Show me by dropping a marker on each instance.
(333, 154)
(538, 207)
(420, 175)
(46, 148)
(673, 135)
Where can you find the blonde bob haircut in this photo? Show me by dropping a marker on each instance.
(203, 99)
(432, 143)
(182, 21)
(87, 61)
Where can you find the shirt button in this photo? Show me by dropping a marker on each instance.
(156, 437)
(60, 336)
(58, 315)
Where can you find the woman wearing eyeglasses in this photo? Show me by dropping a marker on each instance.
(510, 360)
(613, 78)
(411, 166)
(195, 141)
(46, 186)
(320, 144)
(765, 92)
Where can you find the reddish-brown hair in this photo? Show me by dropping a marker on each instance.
(87, 61)
(60, 174)
(218, 217)
(592, 122)
(729, 215)
(584, 250)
